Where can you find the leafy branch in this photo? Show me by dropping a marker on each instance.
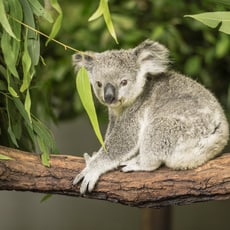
(19, 34)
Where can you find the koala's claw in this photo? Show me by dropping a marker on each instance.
(78, 178)
(89, 179)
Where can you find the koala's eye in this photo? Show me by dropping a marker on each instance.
(99, 84)
(124, 82)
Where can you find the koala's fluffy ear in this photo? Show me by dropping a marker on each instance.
(85, 59)
(152, 57)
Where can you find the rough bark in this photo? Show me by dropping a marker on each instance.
(160, 188)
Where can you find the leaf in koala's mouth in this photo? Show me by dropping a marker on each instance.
(85, 93)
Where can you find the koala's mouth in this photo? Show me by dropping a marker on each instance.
(115, 103)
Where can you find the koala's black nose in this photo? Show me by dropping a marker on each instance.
(109, 93)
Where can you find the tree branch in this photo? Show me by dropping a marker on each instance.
(160, 188)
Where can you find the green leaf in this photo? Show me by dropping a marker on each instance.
(33, 42)
(45, 141)
(98, 13)
(10, 114)
(108, 20)
(16, 12)
(4, 21)
(12, 136)
(45, 153)
(26, 65)
(214, 19)
(42, 131)
(12, 91)
(28, 125)
(57, 24)
(103, 9)
(28, 104)
(45, 197)
(40, 11)
(85, 93)
(9, 130)
(34, 49)
(9, 57)
(4, 157)
(10, 88)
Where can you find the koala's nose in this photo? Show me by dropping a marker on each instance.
(109, 93)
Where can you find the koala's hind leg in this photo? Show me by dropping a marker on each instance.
(192, 153)
(198, 145)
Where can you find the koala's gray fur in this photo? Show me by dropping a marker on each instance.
(156, 116)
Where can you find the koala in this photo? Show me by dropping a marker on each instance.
(156, 116)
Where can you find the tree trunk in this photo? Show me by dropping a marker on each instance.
(156, 219)
(160, 188)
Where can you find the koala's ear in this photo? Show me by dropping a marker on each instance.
(152, 57)
(86, 59)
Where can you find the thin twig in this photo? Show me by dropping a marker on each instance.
(46, 36)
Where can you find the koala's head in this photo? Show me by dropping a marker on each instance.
(119, 76)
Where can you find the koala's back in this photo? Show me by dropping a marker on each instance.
(174, 94)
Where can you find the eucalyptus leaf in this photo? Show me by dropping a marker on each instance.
(9, 57)
(34, 49)
(32, 38)
(57, 24)
(28, 104)
(10, 88)
(45, 141)
(28, 125)
(98, 13)
(40, 11)
(45, 197)
(14, 119)
(45, 153)
(12, 136)
(42, 131)
(9, 130)
(85, 93)
(4, 21)
(108, 20)
(12, 91)
(103, 9)
(26, 65)
(219, 19)
(15, 12)
(4, 157)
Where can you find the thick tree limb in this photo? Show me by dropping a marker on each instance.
(141, 189)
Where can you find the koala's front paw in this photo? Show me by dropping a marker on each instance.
(89, 179)
(88, 176)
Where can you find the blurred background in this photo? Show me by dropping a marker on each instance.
(196, 50)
